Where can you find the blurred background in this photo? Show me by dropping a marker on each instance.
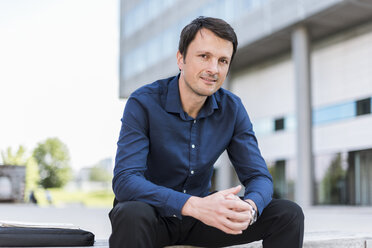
(59, 105)
(302, 70)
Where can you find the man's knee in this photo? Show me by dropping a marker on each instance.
(290, 212)
(132, 212)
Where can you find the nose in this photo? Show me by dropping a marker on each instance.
(213, 66)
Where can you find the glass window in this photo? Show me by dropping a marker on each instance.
(154, 8)
(361, 179)
(263, 126)
(333, 113)
(141, 59)
(284, 174)
(168, 45)
(279, 124)
(331, 171)
(153, 49)
(279, 179)
(126, 66)
(290, 122)
(143, 13)
(363, 106)
(210, 10)
(129, 23)
(229, 10)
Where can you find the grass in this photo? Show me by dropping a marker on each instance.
(61, 197)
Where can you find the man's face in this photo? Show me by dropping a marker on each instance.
(206, 64)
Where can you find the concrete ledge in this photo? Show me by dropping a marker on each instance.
(321, 240)
(312, 240)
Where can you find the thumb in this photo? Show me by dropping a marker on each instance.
(235, 190)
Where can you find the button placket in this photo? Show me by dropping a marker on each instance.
(192, 155)
(193, 152)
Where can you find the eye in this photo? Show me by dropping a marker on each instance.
(204, 56)
(224, 61)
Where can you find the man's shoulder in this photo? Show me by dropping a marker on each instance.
(227, 97)
(158, 87)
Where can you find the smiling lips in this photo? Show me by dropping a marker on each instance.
(209, 79)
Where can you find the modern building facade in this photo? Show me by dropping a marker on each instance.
(303, 72)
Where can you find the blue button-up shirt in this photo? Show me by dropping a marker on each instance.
(164, 156)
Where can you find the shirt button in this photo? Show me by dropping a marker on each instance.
(184, 191)
(175, 215)
(192, 146)
(194, 121)
(192, 172)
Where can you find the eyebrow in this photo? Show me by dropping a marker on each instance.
(206, 52)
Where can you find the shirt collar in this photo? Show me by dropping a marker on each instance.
(173, 102)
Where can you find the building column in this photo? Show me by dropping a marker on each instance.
(223, 173)
(301, 59)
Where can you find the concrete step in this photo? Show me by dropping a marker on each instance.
(321, 240)
(311, 240)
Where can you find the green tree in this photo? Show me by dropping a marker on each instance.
(32, 175)
(19, 158)
(99, 174)
(53, 160)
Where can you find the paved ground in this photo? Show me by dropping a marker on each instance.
(317, 219)
(91, 219)
(340, 219)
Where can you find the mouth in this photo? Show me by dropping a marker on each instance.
(209, 80)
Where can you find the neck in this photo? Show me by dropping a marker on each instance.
(191, 102)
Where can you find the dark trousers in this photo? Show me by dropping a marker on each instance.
(137, 225)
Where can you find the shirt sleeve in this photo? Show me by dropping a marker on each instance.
(247, 160)
(129, 182)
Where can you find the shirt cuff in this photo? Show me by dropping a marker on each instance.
(175, 203)
(257, 199)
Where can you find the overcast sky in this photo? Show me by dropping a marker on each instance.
(59, 76)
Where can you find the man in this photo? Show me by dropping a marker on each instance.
(173, 131)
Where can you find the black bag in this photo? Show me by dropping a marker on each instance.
(44, 237)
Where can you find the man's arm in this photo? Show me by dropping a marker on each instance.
(247, 160)
(129, 183)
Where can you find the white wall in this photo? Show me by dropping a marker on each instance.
(349, 135)
(342, 67)
(341, 71)
(266, 90)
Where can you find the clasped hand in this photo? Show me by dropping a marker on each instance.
(223, 210)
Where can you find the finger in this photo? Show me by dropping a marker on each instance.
(232, 197)
(236, 227)
(234, 190)
(229, 230)
(237, 205)
(239, 216)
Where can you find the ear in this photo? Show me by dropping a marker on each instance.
(180, 60)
